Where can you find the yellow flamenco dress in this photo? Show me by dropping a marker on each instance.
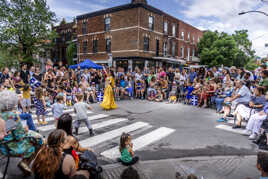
(108, 102)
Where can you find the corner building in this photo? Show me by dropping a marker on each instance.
(136, 35)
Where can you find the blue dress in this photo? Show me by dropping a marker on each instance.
(40, 108)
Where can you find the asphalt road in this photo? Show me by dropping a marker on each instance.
(195, 133)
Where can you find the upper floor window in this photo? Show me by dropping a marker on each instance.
(182, 52)
(188, 38)
(174, 30)
(146, 43)
(84, 28)
(165, 49)
(85, 47)
(198, 39)
(166, 27)
(173, 49)
(108, 45)
(193, 39)
(107, 24)
(151, 22)
(95, 46)
(193, 52)
(182, 35)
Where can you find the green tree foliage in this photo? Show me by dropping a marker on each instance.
(218, 49)
(70, 53)
(25, 27)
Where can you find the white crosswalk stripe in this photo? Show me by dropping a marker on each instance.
(65, 111)
(141, 142)
(112, 134)
(230, 129)
(52, 126)
(109, 130)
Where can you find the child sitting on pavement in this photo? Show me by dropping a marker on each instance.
(126, 150)
(80, 108)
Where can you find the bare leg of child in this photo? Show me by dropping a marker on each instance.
(38, 119)
(44, 121)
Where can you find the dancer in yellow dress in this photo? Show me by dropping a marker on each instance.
(108, 102)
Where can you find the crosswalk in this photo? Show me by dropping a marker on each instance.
(108, 130)
(228, 127)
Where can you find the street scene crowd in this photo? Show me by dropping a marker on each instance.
(236, 93)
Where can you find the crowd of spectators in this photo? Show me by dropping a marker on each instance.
(240, 95)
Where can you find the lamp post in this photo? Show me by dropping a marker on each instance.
(261, 12)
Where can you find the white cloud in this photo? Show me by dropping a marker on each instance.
(222, 15)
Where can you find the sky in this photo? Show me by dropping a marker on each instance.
(221, 15)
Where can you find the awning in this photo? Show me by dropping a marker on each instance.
(171, 60)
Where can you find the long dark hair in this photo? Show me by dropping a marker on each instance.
(48, 160)
(65, 123)
(124, 137)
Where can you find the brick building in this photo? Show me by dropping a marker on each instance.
(136, 34)
(66, 33)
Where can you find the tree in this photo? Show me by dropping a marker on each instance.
(218, 49)
(70, 53)
(25, 27)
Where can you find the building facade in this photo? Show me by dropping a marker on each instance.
(66, 33)
(136, 35)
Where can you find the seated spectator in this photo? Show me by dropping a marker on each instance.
(18, 141)
(241, 95)
(256, 120)
(51, 162)
(246, 110)
(126, 150)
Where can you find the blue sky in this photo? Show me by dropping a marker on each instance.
(218, 15)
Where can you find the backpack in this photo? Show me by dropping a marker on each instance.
(88, 161)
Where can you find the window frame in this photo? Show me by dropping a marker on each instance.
(151, 25)
(174, 29)
(95, 46)
(109, 45)
(182, 35)
(146, 44)
(84, 27)
(107, 26)
(165, 49)
(166, 27)
(182, 51)
(85, 47)
(173, 49)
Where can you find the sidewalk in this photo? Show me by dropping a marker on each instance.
(225, 167)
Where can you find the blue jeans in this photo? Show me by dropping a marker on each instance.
(28, 117)
(219, 102)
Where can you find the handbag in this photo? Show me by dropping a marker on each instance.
(88, 161)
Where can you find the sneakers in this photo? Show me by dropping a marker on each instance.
(236, 127)
(253, 136)
(222, 120)
(91, 132)
(246, 133)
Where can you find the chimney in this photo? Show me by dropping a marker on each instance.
(139, 1)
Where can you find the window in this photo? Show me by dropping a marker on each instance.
(182, 35)
(107, 24)
(84, 28)
(166, 27)
(188, 54)
(108, 45)
(157, 48)
(151, 22)
(165, 49)
(95, 46)
(198, 39)
(174, 30)
(146, 44)
(193, 52)
(85, 47)
(173, 49)
(182, 52)
(188, 38)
